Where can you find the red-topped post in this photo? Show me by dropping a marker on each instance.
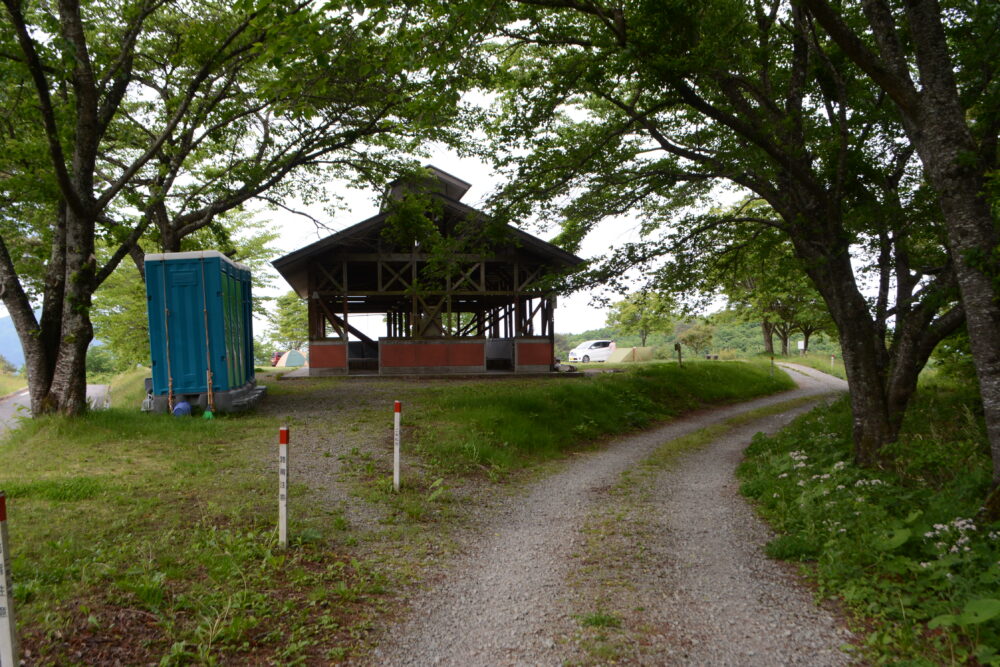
(397, 411)
(8, 630)
(283, 487)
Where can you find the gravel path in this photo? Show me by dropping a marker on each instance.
(710, 596)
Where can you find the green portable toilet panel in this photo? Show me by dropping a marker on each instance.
(200, 320)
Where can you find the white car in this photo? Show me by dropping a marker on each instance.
(592, 350)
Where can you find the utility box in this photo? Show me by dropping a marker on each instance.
(200, 332)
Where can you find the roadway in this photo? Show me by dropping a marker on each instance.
(18, 405)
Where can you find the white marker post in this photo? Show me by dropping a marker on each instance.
(398, 408)
(832, 358)
(8, 631)
(283, 487)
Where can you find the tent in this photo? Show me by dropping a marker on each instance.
(627, 354)
(292, 359)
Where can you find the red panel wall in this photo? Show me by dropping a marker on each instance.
(417, 354)
(534, 354)
(327, 356)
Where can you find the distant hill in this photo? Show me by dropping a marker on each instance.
(10, 344)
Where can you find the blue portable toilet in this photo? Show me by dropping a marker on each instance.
(200, 332)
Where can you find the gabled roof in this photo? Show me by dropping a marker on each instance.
(293, 265)
(446, 184)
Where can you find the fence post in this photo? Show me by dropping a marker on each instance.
(397, 410)
(8, 628)
(283, 487)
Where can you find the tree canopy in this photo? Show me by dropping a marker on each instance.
(289, 322)
(643, 313)
(154, 117)
(652, 108)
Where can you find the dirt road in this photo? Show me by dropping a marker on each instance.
(689, 582)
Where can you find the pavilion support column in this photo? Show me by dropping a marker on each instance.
(315, 320)
(343, 300)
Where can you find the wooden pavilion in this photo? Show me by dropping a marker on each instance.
(460, 293)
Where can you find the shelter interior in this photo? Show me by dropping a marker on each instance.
(459, 293)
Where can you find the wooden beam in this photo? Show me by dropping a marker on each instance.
(396, 276)
(467, 293)
(332, 318)
(530, 279)
(431, 313)
(333, 281)
(357, 333)
(419, 257)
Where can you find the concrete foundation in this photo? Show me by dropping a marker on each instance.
(234, 400)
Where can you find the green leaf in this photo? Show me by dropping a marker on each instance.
(943, 619)
(893, 539)
(986, 654)
(979, 611)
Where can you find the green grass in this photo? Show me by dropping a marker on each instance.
(129, 389)
(11, 383)
(155, 535)
(506, 425)
(900, 544)
(600, 619)
(162, 529)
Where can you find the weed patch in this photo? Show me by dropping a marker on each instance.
(600, 619)
(900, 544)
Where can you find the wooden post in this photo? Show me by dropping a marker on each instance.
(9, 655)
(677, 347)
(283, 487)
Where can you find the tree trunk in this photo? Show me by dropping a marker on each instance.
(67, 393)
(806, 333)
(937, 124)
(941, 135)
(865, 357)
(873, 425)
(973, 241)
(57, 377)
(766, 329)
(784, 332)
(139, 259)
(970, 238)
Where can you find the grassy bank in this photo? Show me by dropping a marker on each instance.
(11, 383)
(901, 545)
(505, 426)
(143, 538)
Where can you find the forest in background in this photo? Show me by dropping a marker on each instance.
(731, 337)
